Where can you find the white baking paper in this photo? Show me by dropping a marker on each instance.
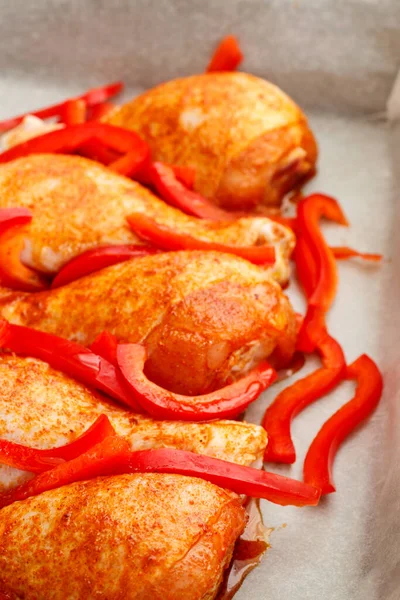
(339, 60)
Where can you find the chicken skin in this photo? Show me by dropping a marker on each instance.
(77, 204)
(205, 317)
(247, 140)
(164, 537)
(43, 408)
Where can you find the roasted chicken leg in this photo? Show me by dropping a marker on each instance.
(247, 140)
(205, 317)
(43, 408)
(164, 537)
(78, 204)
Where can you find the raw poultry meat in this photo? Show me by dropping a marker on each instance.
(205, 317)
(164, 537)
(77, 204)
(150, 535)
(247, 140)
(43, 408)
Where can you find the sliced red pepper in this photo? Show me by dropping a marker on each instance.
(168, 239)
(74, 112)
(112, 457)
(227, 56)
(310, 210)
(98, 111)
(344, 253)
(95, 150)
(229, 401)
(292, 400)
(92, 97)
(98, 258)
(131, 162)
(299, 321)
(313, 330)
(185, 175)
(105, 345)
(99, 460)
(71, 138)
(320, 456)
(306, 266)
(240, 479)
(163, 178)
(37, 460)
(316, 266)
(69, 357)
(102, 94)
(12, 217)
(13, 273)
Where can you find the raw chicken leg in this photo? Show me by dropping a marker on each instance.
(205, 317)
(43, 408)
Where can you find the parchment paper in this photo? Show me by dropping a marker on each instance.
(339, 60)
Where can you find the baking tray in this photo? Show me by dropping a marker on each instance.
(339, 61)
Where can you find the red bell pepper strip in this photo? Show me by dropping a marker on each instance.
(131, 162)
(74, 112)
(240, 479)
(227, 402)
(95, 150)
(163, 178)
(70, 139)
(102, 94)
(306, 266)
(105, 345)
(343, 253)
(320, 456)
(99, 258)
(168, 239)
(310, 210)
(91, 98)
(13, 273)
(227, 56)
(99, 460)
(98, 111)
(316, 266)
(313, 330)
(292, 400)
(112, 457)
(12, 217)
(69, 357)
(185, 175)
(37, 460)
(299, 321)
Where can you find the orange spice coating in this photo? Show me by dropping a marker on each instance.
(77, 204)
(164, 537)
(43, 408)
(205, 317)
(247, 140)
